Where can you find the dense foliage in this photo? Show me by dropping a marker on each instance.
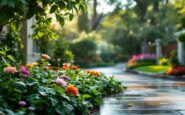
(42, 10)
(41, 89)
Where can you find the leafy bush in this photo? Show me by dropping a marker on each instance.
(173, 59)
(181, 37)
(61, 53)
(141, 60)
(41, 89)
(84, 50)
(13, 43)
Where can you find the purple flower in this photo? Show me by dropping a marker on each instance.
(61, 82)
(22, 103)
(31, 108)
(24, 71)
(65, 77)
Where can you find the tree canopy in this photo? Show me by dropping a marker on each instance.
(14, 12)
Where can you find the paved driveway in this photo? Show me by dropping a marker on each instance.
(145, 95)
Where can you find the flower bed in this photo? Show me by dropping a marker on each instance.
(177, 70)
(141, 60)
(40, 89)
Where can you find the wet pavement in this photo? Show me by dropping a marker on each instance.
(145, 95)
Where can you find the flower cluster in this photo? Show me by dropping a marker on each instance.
(176, 71)
(55, 88)
(11, 70)
(141, 59)
(67, 66)
(74, 67)
(72, 90)
(24, 72)
(92, 72)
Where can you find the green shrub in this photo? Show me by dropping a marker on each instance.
(84, 50)
(61, 52)
(181, 37)
(173, 58)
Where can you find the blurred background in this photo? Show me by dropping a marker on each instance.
(111, 31)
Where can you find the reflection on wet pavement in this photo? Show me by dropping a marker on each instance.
(145, 95)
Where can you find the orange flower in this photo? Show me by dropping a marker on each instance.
(29, 65)
(74, 67)
(72, 90)
(65, 67)
(92, 72)
(51, 67)
(45, 56)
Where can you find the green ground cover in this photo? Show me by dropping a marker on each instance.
(153, 68)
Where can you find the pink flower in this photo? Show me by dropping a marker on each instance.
(61, 82)
(22, 103)
(66, 64)
(11, 70)
(65, 77)
(24, 71)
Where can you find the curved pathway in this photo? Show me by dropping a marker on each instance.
(145, 95)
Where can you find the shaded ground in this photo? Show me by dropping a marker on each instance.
(145, 95)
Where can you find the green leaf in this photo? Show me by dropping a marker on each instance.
(33, 97)
(68, 108)
(12, 3)
(54, 102)
(24, 2)
(19, 85)
(53, 8)
(10, 57)
(71, 16)
(3, 2)
(61, 20)
(59, 109)
(83, 7)
(16, 26)
(70, 6)
(31, 82)
(86, 96)
(65, 97)
(2, 53)
(40, 34)
(9, 112)
(62, 5)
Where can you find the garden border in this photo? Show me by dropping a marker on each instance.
(163, 76)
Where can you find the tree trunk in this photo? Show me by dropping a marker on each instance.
(94, 18)
(142, 5)
(156, 5)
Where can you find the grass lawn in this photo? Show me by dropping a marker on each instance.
(153, 68)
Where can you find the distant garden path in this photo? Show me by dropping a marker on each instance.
(144, 95)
